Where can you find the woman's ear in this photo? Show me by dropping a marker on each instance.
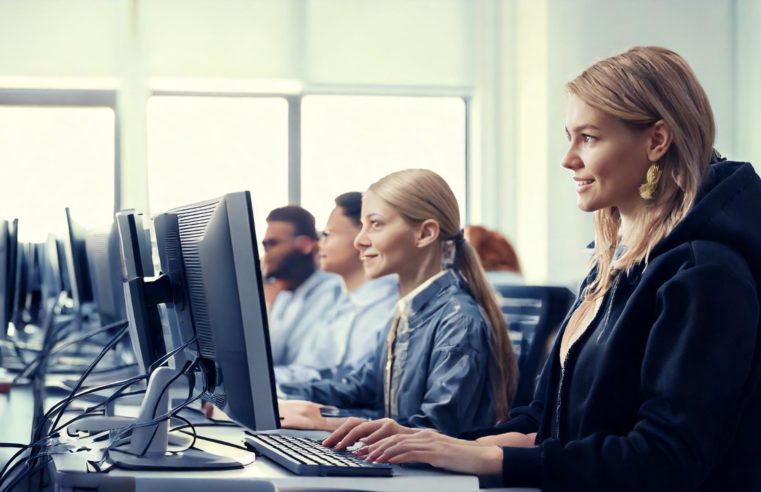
(659, 141)
(427, 233)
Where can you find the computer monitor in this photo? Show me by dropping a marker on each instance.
(145, 326)
(63, 267)
(104, 261)
(8, 248)
(76, 261)
(217, 266)
(21, 291)
(5, 314)
(35, 305)
(52, 284)
(211, 287)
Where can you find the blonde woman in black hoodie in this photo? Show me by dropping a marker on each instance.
(653, 383)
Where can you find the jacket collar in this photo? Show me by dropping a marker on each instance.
(422, 298)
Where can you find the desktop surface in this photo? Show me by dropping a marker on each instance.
(69, 471)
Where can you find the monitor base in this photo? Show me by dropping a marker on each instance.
(189, 460)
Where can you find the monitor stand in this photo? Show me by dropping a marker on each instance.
(148, 446)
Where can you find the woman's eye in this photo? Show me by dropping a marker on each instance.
(589, 138)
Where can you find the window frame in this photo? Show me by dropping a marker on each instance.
(72, 98)
(294, 102)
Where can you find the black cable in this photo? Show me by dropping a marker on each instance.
(188, 366)
(214, 423)
(41, 424)
(62, 329)
(61, 406)
(91, 411)
(127, 381)
(36, 442)
(10, 469)
(169, 355)
(56, 349)
(18, 351)
(29, 472)
(13, 458)
(154, 421)
(210, 439)
(114, 340)
(172, 413)
(114, 369)
(218, 441)
(126, 384)
(87, 336)
(195, 436)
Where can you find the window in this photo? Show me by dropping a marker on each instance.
(201, 147)
(348, 142)
(53, 157)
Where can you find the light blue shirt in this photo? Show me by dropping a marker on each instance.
(294, 313)
(347, 334)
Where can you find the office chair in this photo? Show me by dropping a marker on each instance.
(534, 315)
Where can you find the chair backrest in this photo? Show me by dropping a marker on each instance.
(534, 315)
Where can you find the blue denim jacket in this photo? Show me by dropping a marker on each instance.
(440, 372)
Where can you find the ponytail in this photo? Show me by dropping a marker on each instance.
(503, 368)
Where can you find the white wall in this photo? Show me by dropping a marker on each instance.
(578, 33)
(511, 57)
(748, 87)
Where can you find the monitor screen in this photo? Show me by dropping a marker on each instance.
(22, 280)
(104, 259)
(52, 284)
(5, 302)
(76, 261)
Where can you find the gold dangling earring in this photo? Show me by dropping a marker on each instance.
(647, 190)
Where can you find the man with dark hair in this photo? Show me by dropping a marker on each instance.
(349, 329)
(290, 245)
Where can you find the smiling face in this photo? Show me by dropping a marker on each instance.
(609, 159)
(386, 243)
(337, 252)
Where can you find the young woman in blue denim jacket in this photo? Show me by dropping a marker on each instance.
(654, 382)
(445, 362)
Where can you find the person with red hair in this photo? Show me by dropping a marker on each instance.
(497, 256)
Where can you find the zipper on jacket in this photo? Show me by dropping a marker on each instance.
(608, 301)
(555, 432)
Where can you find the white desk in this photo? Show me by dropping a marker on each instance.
(69, 471)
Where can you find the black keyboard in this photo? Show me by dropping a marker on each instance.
(304, 456)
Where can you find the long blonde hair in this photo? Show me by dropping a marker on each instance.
(418, 195)
(640, 87)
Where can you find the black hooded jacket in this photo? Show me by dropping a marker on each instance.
(662, 391)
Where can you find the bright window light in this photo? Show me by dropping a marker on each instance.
(203, 147)
(54, 157)
(348, 142)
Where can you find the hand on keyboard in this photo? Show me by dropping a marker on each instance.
(355, 429)
(436, 449)
(305, 456)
